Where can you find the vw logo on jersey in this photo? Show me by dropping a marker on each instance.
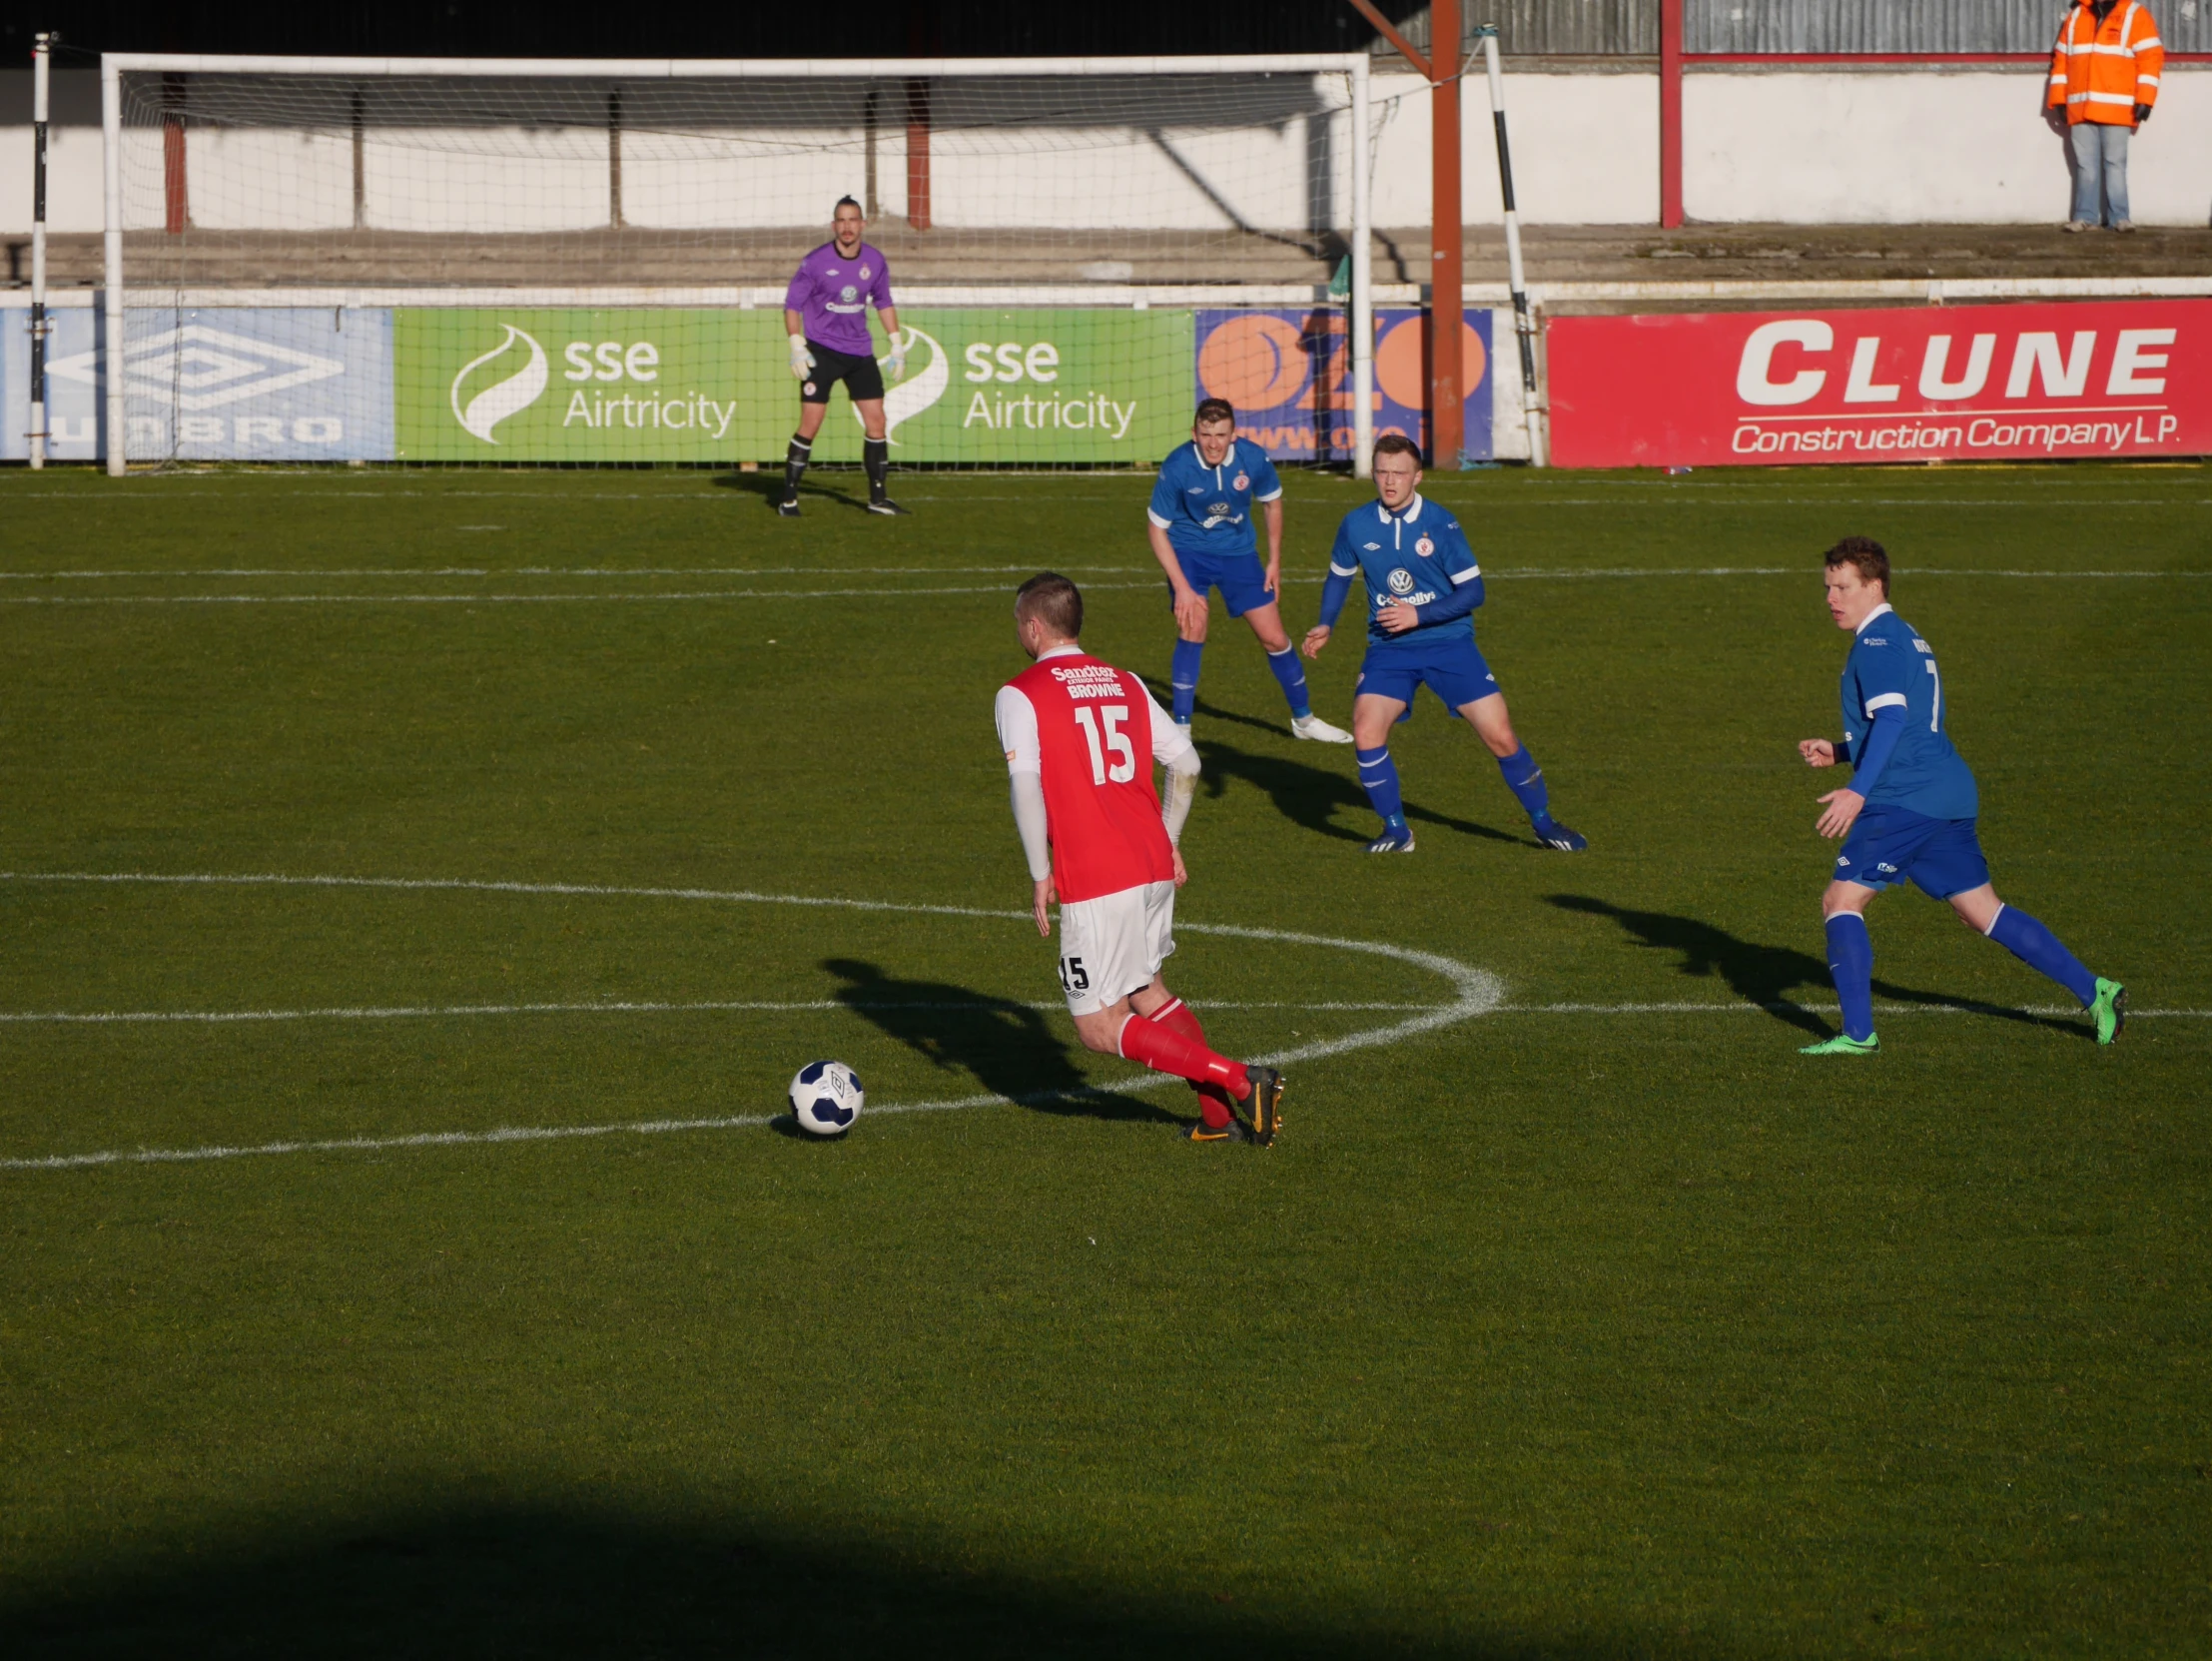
(1424, 548)
(1401, 581)
(1221, 510)
(1242, 481)
(848, 294)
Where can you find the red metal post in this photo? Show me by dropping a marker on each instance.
(176, 210)
(1670, 113)
(1447, 259)
(917, 155)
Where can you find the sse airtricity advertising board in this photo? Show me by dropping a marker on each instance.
(1007, 387)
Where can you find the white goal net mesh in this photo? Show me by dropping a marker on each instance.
(591, 268)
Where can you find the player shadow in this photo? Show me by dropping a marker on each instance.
(1006, 1046)
(1309, 796)
(1766, 975)
(768, 485)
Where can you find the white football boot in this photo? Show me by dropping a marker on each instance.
(1312, 726)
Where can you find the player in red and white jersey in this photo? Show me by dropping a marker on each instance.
(1080, 738)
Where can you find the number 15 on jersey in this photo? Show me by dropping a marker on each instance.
(1102, 730)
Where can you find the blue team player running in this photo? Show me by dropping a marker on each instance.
(1201, 533)
(1909, 809)
(1423, 585)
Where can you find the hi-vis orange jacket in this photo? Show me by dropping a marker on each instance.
(2101, 72)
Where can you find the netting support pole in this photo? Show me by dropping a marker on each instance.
(111, 190)
(1524, 326)
(1363, 286)
(42, 51)
(917, 155)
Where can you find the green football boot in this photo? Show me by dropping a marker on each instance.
(1842, 1044)
(2110, 1009)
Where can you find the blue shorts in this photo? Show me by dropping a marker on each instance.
(1888, 844)
(1453, 669)
(1241, 578)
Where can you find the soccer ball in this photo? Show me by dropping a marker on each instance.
(826, 1098)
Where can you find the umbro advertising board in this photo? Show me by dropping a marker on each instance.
(2075, 379)
(213, 385)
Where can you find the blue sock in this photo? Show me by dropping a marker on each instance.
(2039, 949)
(1850, 959)
(1525, 780)
(1378, 776)
(1285, 665)
(1183, 676)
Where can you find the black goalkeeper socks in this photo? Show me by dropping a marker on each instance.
(876, 455)
(795, 467)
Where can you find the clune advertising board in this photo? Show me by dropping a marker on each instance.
(2033, 382)
(1288, 375)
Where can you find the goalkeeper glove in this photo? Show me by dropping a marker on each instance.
(895, 363)
(801, 359)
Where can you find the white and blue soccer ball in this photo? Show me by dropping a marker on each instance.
(826, 1098)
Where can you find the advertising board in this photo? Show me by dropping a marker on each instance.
(280, 384)
(2074, 379)
(1009, 386)
(1289, 374)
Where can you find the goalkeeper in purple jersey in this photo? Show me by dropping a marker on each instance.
(825, 312)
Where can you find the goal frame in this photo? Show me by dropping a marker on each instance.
(1354, 65)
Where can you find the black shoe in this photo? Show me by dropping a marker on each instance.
(884, 505)
(1263, 1107)
(1234, 1130)
(788, 508)
(1553, 834)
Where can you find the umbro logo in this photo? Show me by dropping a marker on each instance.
(198, 367)
(1372, 547)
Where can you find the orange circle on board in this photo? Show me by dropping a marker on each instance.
(1400, 369)
(1257, 362)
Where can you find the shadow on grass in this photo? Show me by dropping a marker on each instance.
(517, 1579)
(1310, 796)
(1008, 1047)
(768, 485)
(1768, 975)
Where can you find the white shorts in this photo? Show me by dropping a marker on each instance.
(1114, 945)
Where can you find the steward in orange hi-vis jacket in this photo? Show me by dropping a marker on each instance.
(2105, 65)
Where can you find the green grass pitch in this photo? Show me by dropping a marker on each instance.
(1593, 1322)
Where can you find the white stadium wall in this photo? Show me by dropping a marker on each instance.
(1836, 145)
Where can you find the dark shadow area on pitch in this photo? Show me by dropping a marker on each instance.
(1310, 796)
(1008, 1047)
(471, 1578)
(1768, 975)
(768, 485)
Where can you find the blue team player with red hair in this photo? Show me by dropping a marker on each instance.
(1423, 585)
(1908, 811)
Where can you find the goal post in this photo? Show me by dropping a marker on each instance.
(583, 261)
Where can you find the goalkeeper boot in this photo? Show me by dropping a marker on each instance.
(1263, 1107)
(788, 508)
(1553, 834)
(1313, 727)
(1842, 1044)
(884, 505)
(2110, 1009)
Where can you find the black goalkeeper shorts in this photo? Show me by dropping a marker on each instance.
(861, 374)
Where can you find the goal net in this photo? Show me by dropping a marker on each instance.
(529, 262)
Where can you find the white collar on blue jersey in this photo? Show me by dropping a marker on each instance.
(1409, 516)
(1870, 617)
(1228, 457)
(1068, 651)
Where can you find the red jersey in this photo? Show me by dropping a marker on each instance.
(1095, 740)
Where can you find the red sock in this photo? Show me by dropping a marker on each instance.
(1164, 1051)
(1213, 1098)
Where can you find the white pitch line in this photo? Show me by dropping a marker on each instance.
(430, 1012)
(546, 570)
(1478, 991)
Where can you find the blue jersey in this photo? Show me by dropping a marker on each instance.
(1418, 555)
(1210, 509)
(1891, 667)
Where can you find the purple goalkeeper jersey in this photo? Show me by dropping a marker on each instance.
(832, 293)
